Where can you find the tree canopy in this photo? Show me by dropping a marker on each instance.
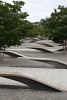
(36, 30)
(56, 25)
(12, 23)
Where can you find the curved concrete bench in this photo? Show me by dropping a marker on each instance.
(47, 45)
(42, 49)
(61, 49)
(13, 54)
(56, 63)
(32, 82)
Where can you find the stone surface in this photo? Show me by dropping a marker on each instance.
(55, 78)
(19, 91)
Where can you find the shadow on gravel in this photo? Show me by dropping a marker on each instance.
(32, 83)
(14, 87)
(24, 87)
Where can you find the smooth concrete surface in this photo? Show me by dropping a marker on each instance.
(13, 54)
(24, 50)
(38, 47)
(46, 49)
(9, 82)
(42, 49)
(48, 42)
(56, 63)
(55, 78)
(23, 62)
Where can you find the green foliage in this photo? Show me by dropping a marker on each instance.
(11, 23)
(57, 25)
(35, 30)
(45, 25)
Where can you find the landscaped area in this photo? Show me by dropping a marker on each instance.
(33, 55)
(32, 70)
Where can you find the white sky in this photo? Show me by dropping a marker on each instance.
(38, 9)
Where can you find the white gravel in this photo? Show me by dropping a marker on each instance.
(28, 94)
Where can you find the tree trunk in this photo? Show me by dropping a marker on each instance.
(64, 47)
(2, 54)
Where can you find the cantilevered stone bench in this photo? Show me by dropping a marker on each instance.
(37, 78)
(47, 45)
(41, 49)
(13, 54)
(54, 62)
(32, 82)
(57, 63)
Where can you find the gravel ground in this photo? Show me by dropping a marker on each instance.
(29, 94)
(58, 56)
(22, 62)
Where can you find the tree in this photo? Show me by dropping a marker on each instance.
(44, 23)
(11, 24)
(57, 26)
(35, 30)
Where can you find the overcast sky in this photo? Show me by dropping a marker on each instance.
(38, 9)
